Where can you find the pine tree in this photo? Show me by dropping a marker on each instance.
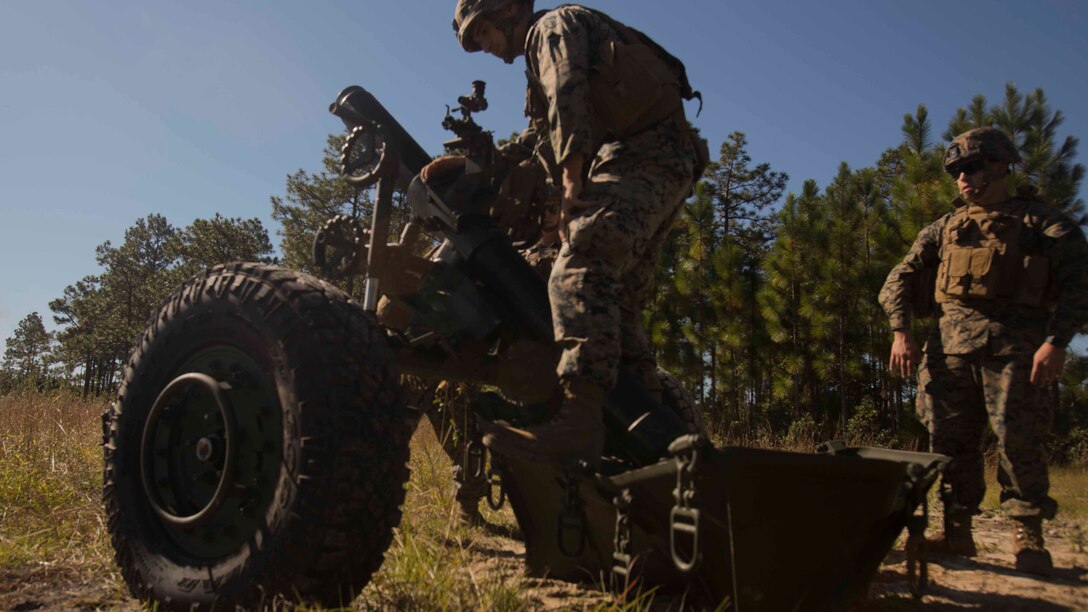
(839, 288)
(208, 242)
(83, 311)
(312, 199)
(786, 301)
(1048, 161)
(28, 352)
(922, 192)
(711, 279)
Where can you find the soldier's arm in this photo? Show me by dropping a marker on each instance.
(897, 295)
(559, 45)
(1064, 244)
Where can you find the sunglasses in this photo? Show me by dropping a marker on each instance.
(967, 168)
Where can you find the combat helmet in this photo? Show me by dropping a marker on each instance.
(981, 143)
(466, 12)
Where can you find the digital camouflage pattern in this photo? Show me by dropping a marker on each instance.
(541, 257)
(985, 142)
(602, 273)
(958, 395)
(977, 363)
(998, 327)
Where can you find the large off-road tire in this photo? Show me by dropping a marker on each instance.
(257, 450)
(677, 399)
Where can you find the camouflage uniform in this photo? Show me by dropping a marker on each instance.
(977, 364)
(602, 273)
(541, 257)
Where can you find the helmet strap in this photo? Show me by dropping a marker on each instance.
(991, 174)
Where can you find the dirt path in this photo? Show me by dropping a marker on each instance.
(990, 581)
(987, 582)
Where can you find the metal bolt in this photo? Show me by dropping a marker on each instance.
(207, 450)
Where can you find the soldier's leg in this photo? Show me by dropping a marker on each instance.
(1021, 417)
(635, 348)
(601, 278)
(950, 404)
(584, 289)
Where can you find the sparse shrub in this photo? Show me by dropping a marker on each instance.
(866, 426)
(1070, 448)
(803, 432)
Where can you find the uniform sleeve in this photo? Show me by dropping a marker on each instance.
(1065, 246)
(559, 49)
(897, 295)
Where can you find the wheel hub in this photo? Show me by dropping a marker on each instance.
(210, 452)
(181, 387)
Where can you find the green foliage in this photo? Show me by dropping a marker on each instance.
(704, 315)
(28, 352)
(1048, 161)
(432, 563)
(103, 313)
(1071, 414)
(771, 318)
(209, 242)
(50, 481)
(313, 198)
(866, 425)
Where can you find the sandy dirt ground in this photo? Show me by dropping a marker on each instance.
(988, 582)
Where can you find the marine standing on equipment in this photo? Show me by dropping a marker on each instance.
(607, 101)
(1009, 277)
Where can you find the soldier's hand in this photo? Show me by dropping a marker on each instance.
(1048, 364)
(904, 357)
(572, 201)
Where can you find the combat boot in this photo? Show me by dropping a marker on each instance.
(1027, 544)
(575, 433)
(469, 513)
(957, 538)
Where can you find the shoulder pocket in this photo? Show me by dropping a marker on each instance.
(631, 88)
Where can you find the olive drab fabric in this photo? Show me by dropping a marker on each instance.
(637, 172)
(983, 259)
(985, 143)
(1008, 278)
(1052, 251)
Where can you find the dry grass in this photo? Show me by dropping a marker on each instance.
(51, 518)
(1068, 485)
(51, 515)
(435, 561)
(51, 482)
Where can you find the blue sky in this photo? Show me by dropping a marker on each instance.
(113, 111)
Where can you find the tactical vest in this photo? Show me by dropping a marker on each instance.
(984, 259)
(634, 84)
